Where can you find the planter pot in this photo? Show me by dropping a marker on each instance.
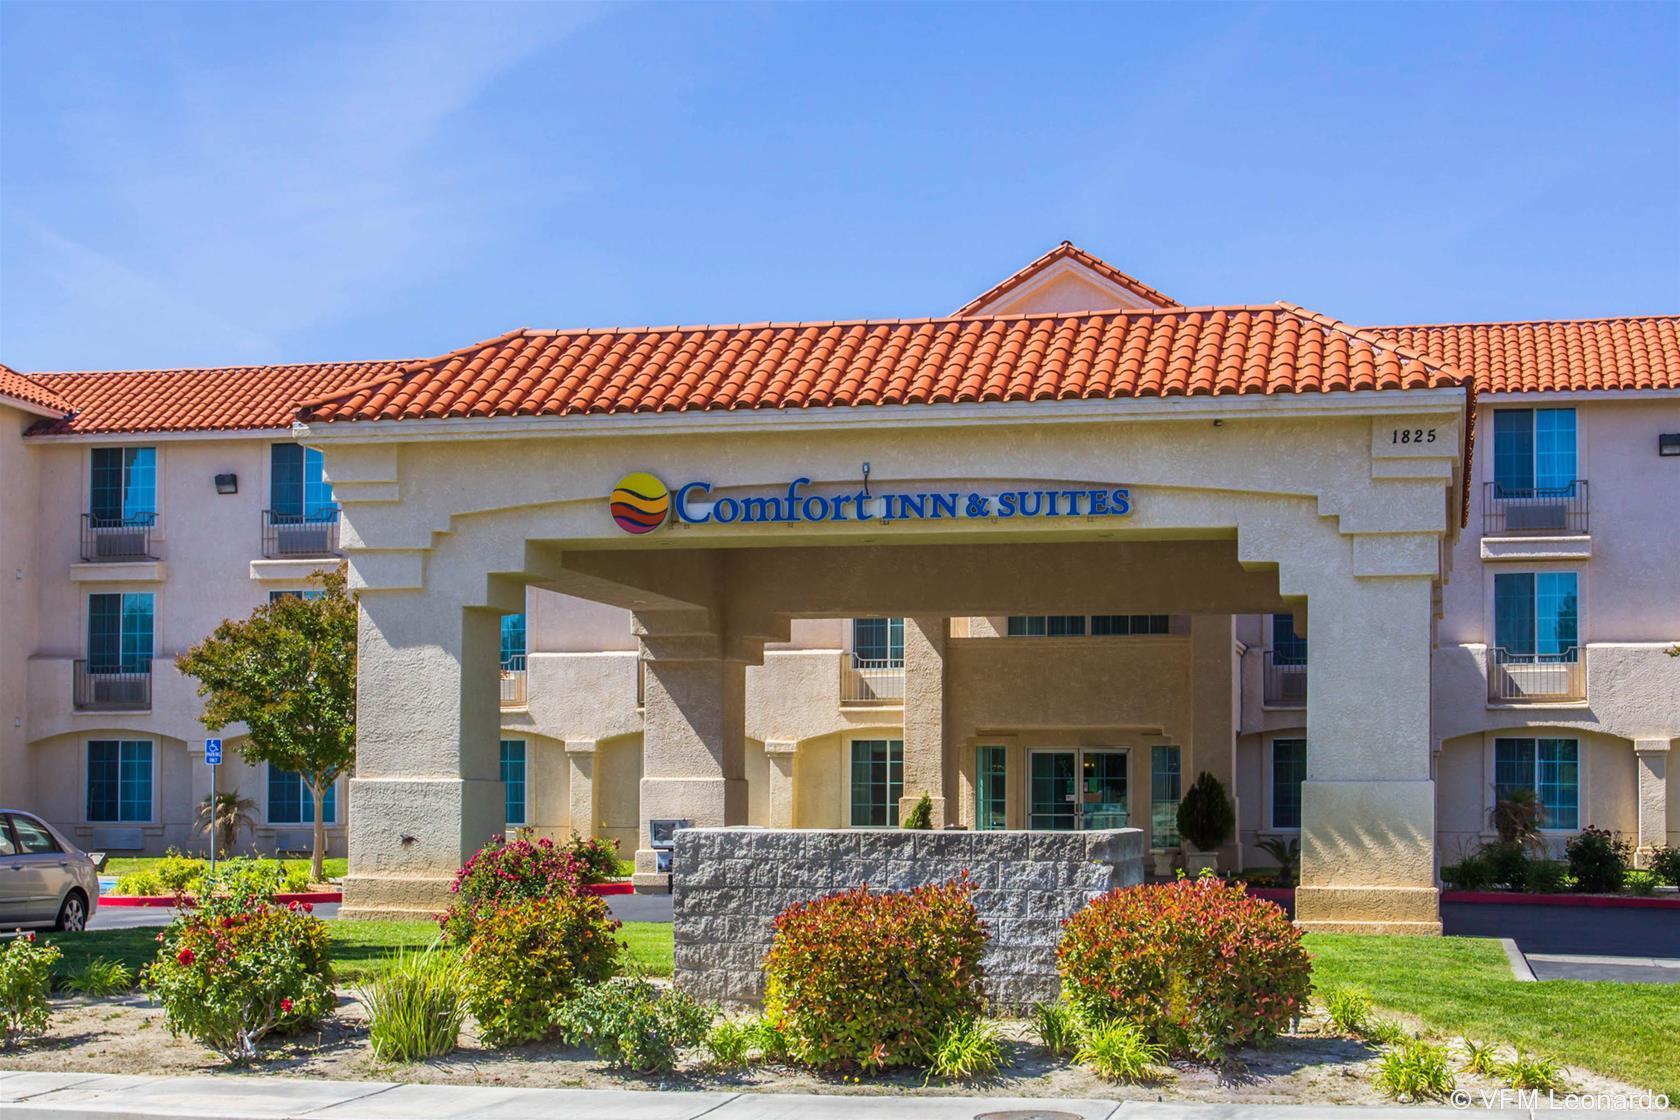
(1164, 859)
(1195, 861)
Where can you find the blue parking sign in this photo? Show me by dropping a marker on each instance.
(213, 752)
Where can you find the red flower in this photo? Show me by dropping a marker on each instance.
(309, 908)
(185, 956)
(29, 936)
(286, 1006)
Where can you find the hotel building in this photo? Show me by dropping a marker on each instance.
(1045, 559)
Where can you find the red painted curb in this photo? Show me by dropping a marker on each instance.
(610, 888)
(1610, 901)
(310, 897)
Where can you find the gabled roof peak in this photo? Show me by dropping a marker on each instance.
(1126, 292)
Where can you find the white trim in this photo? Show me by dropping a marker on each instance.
(47, 410)
(1539, 397)
(175, 434)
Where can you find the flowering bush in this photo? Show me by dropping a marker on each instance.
(527, 957)
(237, 968)
(1199, 964)
(596, 856)
(25, 984)
(1597, 859)
(875, 978)
(505, 871)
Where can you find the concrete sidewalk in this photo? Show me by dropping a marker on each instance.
(33, 1096)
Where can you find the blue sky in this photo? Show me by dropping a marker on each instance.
(222, 183)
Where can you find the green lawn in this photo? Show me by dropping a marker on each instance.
(127, 865)
(1463, 985)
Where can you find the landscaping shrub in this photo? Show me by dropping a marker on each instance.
(630, 1023)
(1199, 964)
(246, 877)
(1472, 873)
(1385, 1032)
(238, 967)
(1120, 1051)
(768, 1038)
(1508, 861)
(506, 871)
(1481, 1058)
(1640, 882)
(295, 880)
(141, 883)
(1057, 1028)
(1530, 1071)
(1349, 1010)
(179, 874)
(1598, 860)
(1666, 863)
(526, 958)
(1415, 1070)
(1206, 817)
(1546, 876)
(729, 1044)
(920, 817)
(874, 978)
(416, 1002)
(597, 857)
(101, 976)
(969, 1048)
(25, 987)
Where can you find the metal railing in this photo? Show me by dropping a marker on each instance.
(1534, 510)
(1527, 678)
(514, 682)
(104, 690)
(117, 538)
(286, 535)
(1284, 683)
(866, 680)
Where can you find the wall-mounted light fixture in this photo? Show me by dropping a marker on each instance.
(227, 484)
(1668, 444)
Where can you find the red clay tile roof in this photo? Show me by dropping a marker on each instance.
(1086, 356)
(1067, 250)
(1641, 352)
(20, 388)
(231, 398)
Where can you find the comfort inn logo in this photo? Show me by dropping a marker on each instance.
(640, 503)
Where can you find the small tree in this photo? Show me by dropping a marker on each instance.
(289, 674)
(1205, 816)
(229, 814)
(921, 813)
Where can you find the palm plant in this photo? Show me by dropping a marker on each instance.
(1288, 855)
(1517, 816)
(231, 815)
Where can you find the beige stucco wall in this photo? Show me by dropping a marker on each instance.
(20, 589)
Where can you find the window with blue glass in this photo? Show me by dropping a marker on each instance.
(297, 487)
(877, 782)
(1536, 616)
(120, 633)
(513, 641)
(1046, 625)
(290, 802)
(1547, 768)
(1289, 770)
(276, 596)
(1534, 452)
(1104, 625)
(123, 486)
(991, 804)
(513, 778)
(1288, 647)
(878, 641)
(1165, 790)
(119, 780)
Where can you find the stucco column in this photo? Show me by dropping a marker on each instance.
(693, 738)
(1651, 758)
(1214, 699)
(781, 754)
(427, 791)
(924, 714)
(1368, 803)
(580, 786)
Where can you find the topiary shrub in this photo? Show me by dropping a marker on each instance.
(1598, 859)
(237, 968)
(525, 958)
(25, 987)
(1200, 965)
(1205, 816)
(506, 871)
(920, 817)
(875, 978)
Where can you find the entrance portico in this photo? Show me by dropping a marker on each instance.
(1323, 504)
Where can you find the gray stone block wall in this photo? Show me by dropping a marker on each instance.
(728, 884)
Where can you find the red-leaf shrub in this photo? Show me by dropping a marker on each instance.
(505, 871)
(874, 978)
(524, 959)
(597, 857)
(1200, 964)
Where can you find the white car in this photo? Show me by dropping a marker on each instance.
(44, 879)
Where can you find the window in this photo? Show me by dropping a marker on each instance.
(1535, 616)
(879, 642)
(119, 780)
(513, 641)
(276, 596)
(1288, 647)
(33, 837)
(1046, 626)
(513, 777)
(1548, 768)
(1078, 625)
(1122, 624)
(120, 633)
(1289, 770)
(124, 486)
(290, 802)
(1534, 452)
(877, 782)
(7, 848)
(1165, 790)
(297, 488)
(991, 805)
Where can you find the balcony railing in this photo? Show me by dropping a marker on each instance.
(1534, 678)
(1285, 683)
(106, 539)
(866, 680)
(1508, 510)
(105, 690)
(513, 682)
(300, 535)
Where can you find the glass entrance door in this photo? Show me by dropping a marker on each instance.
(1077, 789)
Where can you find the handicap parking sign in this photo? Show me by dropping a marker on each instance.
(213, 752)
